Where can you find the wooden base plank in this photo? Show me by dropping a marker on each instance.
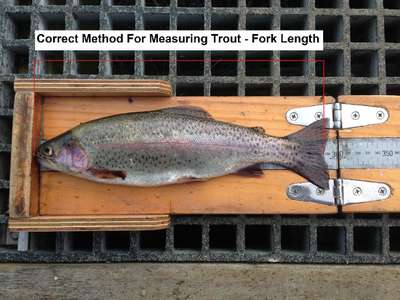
(104, 87)
(65, 195)
(23, 183)
(62, 194)
(67, 203)
(236, 195)
(90, 223)
(391, 128)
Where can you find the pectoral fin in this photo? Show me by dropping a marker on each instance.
(107, 174)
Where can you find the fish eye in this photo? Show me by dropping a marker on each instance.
(48, 151)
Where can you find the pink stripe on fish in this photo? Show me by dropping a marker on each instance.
(140, 145)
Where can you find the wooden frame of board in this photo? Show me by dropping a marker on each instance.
(51, 201)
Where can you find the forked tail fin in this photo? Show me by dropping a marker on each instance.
(309, 161)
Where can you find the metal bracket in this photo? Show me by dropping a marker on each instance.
(23, 241)
(340, 115)
(341, 192)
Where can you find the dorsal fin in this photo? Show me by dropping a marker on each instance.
(259, 129)
(188, 110)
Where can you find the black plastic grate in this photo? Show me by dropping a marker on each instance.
(362, 42)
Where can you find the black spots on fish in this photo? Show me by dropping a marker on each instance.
(273, 147)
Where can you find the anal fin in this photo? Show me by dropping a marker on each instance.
(252, 171)
(186, 179)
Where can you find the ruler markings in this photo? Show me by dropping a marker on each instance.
(360, 153)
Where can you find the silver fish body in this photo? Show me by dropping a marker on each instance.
(176, 145)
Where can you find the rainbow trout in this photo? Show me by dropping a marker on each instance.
(180, 144)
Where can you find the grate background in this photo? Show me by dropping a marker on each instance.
(362, 53)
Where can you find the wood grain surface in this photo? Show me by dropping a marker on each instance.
(97, 87)
(53, 201)
(65, 195)
(90, 223)
(23, 183)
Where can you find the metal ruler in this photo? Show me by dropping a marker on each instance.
(359, 153)
(368, 153)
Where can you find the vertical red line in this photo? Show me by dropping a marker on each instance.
(34, 81)
(323, 89)
(324, 129)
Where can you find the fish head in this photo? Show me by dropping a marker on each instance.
(63, 153)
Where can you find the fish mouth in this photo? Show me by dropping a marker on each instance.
(45, 163)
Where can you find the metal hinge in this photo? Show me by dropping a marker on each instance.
(23, 241)
(340, 115)
(340, 192)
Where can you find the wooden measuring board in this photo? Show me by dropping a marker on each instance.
(62, 200)
(391, 128)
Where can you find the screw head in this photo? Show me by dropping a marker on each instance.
(319, 191)
(357, 191)
(318, 115)
(382, 191)
(355, 115)
(293, 116)
(294, 190)
(380, 115)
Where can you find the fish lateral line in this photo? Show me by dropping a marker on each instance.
(138, 145)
